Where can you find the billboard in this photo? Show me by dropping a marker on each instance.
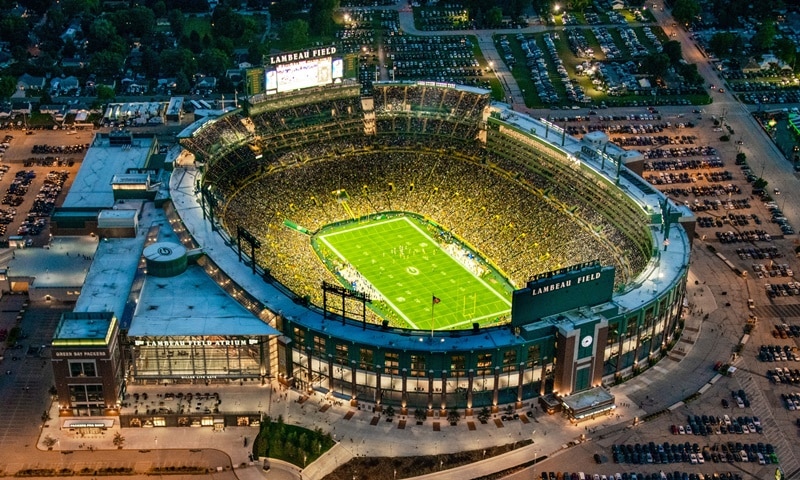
(549, 293)
(303, 69)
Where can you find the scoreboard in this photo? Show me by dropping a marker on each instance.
(314, 67)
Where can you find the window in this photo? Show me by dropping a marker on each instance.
(509, 360)
(341, 354)
(299, 338)
(82, 368)
(418, 366)
(319, 345)
(366, 360)
(484, 364)
(534, 355)
(391, 363)
(86, 393)
(457, 363)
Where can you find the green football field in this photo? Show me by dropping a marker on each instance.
(408, 268)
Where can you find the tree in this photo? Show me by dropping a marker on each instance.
(579, 5)
(49, 441)
(685, 11)
(689, 73)
(106, 64)
(213, 62)
(786, 50)
(227, 23)
(105, 92)
(14, 30)
(484, 414)
(764, 37)
(655, 64)
(176, 22)
(295, 33)
(102, 35)
(672, 49)
(494, 17)
(389, 411)
(453, 416)
(134, 22)
(118, 440)
(420, 415)
(182, 83)
(725, 43)
(74, 8)
(321, 16)
(8, 85)
(176, 60)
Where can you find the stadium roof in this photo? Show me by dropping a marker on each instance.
(191, 304)
(92, 185)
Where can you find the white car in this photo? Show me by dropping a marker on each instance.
(681, 430)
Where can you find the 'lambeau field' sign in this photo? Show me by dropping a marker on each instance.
(585, 284)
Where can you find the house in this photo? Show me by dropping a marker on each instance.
(57, 111)
(768, 62)
(73, 62)
(71, 31)
(207, 83)
(5, 110)
(617, 4)
(6, 59)
(64, 85)
(165, 85)
(20, 106)
(27, 83)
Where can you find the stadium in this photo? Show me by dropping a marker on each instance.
(427, 248)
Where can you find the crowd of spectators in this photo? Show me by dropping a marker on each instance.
(526, 217)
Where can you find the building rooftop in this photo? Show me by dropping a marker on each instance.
(95, 328)
(191, 304)
(64, 264)
(92, 186)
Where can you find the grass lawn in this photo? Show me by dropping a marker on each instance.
(407, 267)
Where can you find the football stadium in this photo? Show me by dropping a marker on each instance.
(419, 246)
(432, 249)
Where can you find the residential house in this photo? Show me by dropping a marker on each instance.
(64, 85)
(27, 83)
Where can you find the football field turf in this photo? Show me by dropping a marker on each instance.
(409, 268)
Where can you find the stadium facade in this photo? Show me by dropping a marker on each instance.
(573, 327)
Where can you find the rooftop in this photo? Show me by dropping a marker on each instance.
(94, 328)
(64, 264)
(92, 186)
(191, 304)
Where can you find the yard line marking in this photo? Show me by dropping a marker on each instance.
(479, 279)
(385, 298)
(369, 225)
(484, 317)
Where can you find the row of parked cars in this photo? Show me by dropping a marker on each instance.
(778, 353)
(675, 475)
(784, 375)
(775, 290)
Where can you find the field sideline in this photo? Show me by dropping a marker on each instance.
(407, 268)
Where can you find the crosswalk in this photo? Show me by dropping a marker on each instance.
(760, 407)
(777, 311)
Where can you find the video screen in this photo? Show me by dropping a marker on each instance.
(304, 74)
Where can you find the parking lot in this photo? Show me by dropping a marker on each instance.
(36, 171)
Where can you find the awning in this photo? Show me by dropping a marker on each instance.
(95, 423)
